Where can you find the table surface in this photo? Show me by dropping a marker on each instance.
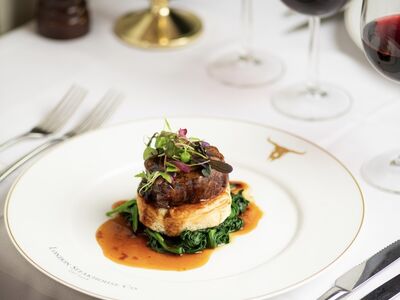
(35, 71)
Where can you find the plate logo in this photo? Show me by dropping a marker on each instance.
(279, 151)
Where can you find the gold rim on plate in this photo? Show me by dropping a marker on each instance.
(275, 293)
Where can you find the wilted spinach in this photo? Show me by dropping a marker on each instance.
(188, 242)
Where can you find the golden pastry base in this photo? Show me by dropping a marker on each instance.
(165, 28)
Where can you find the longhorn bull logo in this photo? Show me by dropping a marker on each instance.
(280, 151)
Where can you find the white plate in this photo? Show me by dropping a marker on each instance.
(352, 20)
(313, 211)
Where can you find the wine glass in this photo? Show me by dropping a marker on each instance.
(246, 66)
(313, 100)
(380, 31)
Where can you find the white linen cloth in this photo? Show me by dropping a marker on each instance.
(35, 72)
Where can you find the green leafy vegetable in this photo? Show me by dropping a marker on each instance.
(185, 157)
(189, 241)
(148, 179)
(149, 152)
(171, 168)
(206, 171)
(167, 126)
(134, 217)
(222, 237)
(194, 241)
(123, 208)
(166, 176)
(240, 201)
(161, 142)
(211, 238)
(157, 243)
(221, 166)
(129, 209)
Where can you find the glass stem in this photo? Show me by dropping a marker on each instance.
(313, 55)
(247, 26)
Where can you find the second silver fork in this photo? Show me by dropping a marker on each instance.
(54, 120)
(95, 119)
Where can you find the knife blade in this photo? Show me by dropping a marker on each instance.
(386, 291)
(359, 274)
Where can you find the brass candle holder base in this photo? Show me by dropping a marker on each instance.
(158, 27)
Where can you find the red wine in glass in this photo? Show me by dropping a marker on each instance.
(380, 31)
(381, 40)
(315, 7)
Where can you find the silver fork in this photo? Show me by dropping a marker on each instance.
(54, 120)
(103, 110)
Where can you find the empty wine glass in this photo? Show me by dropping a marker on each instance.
(246, 67)
(313, 100)
(380, 31)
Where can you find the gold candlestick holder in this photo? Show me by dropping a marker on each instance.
(158, 27)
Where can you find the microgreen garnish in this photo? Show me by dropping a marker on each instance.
(167, 126)
(182, 132)
(178, 153)
(220, 166)
(149, 152)
(148, 179)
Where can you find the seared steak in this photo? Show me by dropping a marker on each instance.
(186, 188)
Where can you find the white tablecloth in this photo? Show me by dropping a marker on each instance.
(35, 72)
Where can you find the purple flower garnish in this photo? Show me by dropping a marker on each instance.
(205, 144)
(181, 166)
(182, 132)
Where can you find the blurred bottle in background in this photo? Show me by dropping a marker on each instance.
(62, 19)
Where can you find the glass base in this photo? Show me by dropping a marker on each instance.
(234, 69)
(383, 171)
(300, 102)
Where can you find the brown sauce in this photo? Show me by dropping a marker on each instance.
(119, 244)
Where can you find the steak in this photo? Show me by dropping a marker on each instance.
(186, 188)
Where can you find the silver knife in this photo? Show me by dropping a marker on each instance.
(353, 278)
(386, 291)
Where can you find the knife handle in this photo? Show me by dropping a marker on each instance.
(334, 293)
